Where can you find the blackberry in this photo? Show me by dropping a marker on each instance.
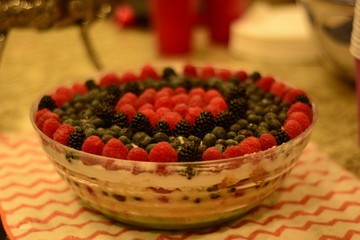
(236, 92)
(162, 126)
(109, 100)
(255, 76)
(224, 119)
(141, 123)
(76, 139)
(238, 107)
(133, 87)
(203, 124)
(120, 119)
(47, 102)
(281, 136)
(189, 152)
(114, 90)
(90, 84)
(183, 128)
(302, 98)
(105, 112)
(168, 72)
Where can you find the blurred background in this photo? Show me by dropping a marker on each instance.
(45, 43)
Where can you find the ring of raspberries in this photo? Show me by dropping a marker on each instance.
(197, 115)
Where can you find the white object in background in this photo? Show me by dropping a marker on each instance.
(273, 34)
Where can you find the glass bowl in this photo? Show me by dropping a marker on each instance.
(174, 195)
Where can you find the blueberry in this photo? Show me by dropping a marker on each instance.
(220, 147)
(231, 135)
(231, 142)
(124, 139)
(161, 137)
(219, 132)
(209, 139)
(138, 137)
(239, 138)
(235, 128)
(106, 137)
(89, 132)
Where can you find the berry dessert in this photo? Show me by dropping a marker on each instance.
(174, 148)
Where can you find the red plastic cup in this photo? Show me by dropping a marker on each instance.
(220, 15)
(172, 21)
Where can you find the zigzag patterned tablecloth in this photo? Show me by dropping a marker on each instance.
(319, 200)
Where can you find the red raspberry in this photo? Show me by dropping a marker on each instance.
(62, 95)
(301, 107)
(278, 89)
(211, 153)
(128, 77)
(44, 116)
(108, 79)
(172, 118)
(39, 114)
(146, 106)
(138, 154)
(151, 115)
(250, 145)
(196, 101)
(267, 141)
(225, 74)
(128, 109)
(162, 111)
(293, 128)
(164, 92)
(180, 98)
(181, 108)
(241, 75)
(219, 102)
(93, 145)
(59, 99)
(197, 91)
(149, 92)
(207, 72)
(265, 83)
(144, 99)
(148, 71)
(301, 118)
(180, 90)
(233, 151)
(127, 98)
(164, 102)
(163, 152)
(190, 70)
(213, 109)
(210, 94)
(50, 126)
(291, 94)
(62, 134)
(192, 114)
(79, 88)
(114, 148)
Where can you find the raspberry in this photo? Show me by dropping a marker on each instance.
(142, 100)
(241, 75)
(138, 154)
(207, 72)
(197, 91)
(148, 71)
(108, 79)
(62, 134)
(278, 89)
(41, 118)
(149, 92)
(66, 92)
(291, 94)
(293, 128)
(265, 83)
(93, 145)
(210, 94)
(114, 148)
(250, 145)
(267, 141)
(190, 70)
(172, 118)
(128, 109)
(196, 101)
(300, 107)
(301, 118)
(146, 106)
(79, 88)
(40, 113)
(163, 152)
(180, 98)
(213, 109)
(162, 111)
(151, 115)
(232, 151)
(50, 126)
(192, 114)
(128, 77)
(164, 92)
(211, 153)
(225, 74)
(127, 98)
(181, 108)
(164, 102)
(219, 102)
(180, 90)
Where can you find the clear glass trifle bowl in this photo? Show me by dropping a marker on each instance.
(203, 190)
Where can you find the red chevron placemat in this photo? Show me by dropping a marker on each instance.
(319, 200)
